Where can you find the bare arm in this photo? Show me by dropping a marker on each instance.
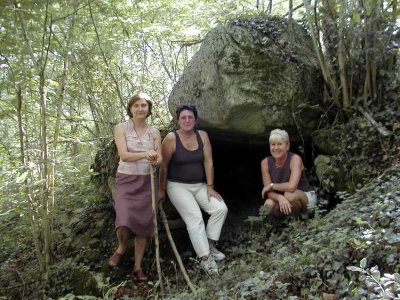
(122, 148)
(266, 177)
(209, 165)
(268, 192)
(208, 160)
(167, 149)
(156, 158)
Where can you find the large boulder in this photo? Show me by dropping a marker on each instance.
(251, 76)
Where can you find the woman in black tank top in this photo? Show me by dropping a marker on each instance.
(187, 176)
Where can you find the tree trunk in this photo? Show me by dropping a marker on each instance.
(391, 58)
(31, 206)
(321, 59)
(45, 175)
(346, 101)
(290, 19)
(41, 220)
(61, 98)
(370, 25)
(394, 11)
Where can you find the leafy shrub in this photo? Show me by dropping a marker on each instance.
(68, 277)
(377, 286)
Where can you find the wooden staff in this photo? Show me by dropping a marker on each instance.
(157, 243)
(171, 241)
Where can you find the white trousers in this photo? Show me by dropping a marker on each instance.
(188, 200)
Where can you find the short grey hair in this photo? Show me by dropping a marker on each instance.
(279, 135)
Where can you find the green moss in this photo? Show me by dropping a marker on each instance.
(235, 60)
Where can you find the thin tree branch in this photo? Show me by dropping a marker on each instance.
(173, 246)
(157, 243)
(321, 59)
(382, 130)
(122, 102)
(294, 9)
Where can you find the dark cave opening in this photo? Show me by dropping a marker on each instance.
(238, 170)
(237, 167)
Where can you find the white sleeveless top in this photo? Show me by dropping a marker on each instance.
(134, 144)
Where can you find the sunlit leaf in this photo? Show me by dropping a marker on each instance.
(22, 177)
(363, 263)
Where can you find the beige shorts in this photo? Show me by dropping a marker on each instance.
(312, 199)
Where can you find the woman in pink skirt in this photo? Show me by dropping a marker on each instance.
(139, 146)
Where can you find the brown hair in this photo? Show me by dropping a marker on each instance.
(137, 97)
(183, 107)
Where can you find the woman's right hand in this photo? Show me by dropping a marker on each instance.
(265, 190)
(161, 195)
(151, 157)
(213, 193)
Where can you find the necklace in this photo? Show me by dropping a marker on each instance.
(138, 136)
(280, 164)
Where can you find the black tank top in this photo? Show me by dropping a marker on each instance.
(187, 166)
(282, 174)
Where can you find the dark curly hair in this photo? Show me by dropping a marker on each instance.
(183, 107)
(137, 97)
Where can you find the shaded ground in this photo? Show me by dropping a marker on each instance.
(292, 259)
(306, 259)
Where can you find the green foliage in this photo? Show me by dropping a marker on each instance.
(287, 259)
(85, 59)
(114, 48)
(377, 286)
(359, 152)
(306, 258)
(66, 276)
(357, 54)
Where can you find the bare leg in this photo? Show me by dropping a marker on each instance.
(140, 247)
(122, 235)
(297, 207)
(298, 200)
(272, 208)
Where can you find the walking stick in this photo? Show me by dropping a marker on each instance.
(157, 243)
(171, 240)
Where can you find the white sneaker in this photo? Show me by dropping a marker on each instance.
(209, 265)
(218, 255)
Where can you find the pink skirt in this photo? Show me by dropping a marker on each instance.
(133, 203)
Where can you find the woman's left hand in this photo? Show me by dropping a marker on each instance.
(284, 205)
(152, 157)
(213, 193)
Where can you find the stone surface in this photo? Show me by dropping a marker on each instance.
(251, 76)
(326, 140)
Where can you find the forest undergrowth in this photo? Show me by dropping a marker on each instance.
(351, 252)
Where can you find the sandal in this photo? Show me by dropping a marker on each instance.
(139, 275)
(115, 259)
